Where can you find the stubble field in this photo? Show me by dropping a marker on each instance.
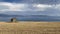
(30, 28)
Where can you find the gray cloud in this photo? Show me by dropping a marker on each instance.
(39, 1)
(36, 7)
(33, 1)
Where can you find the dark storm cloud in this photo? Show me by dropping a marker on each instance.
(34, 1)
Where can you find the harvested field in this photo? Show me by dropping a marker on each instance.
(30, 28)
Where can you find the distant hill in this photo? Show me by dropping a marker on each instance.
(5, 15)
(38, 15)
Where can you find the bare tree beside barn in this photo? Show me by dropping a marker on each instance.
(13, 20)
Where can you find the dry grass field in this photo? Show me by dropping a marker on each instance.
(30, 28)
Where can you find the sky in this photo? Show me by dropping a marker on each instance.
(30, 7)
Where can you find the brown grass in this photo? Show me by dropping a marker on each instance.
(30, 28)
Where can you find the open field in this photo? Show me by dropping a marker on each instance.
(30, 28)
